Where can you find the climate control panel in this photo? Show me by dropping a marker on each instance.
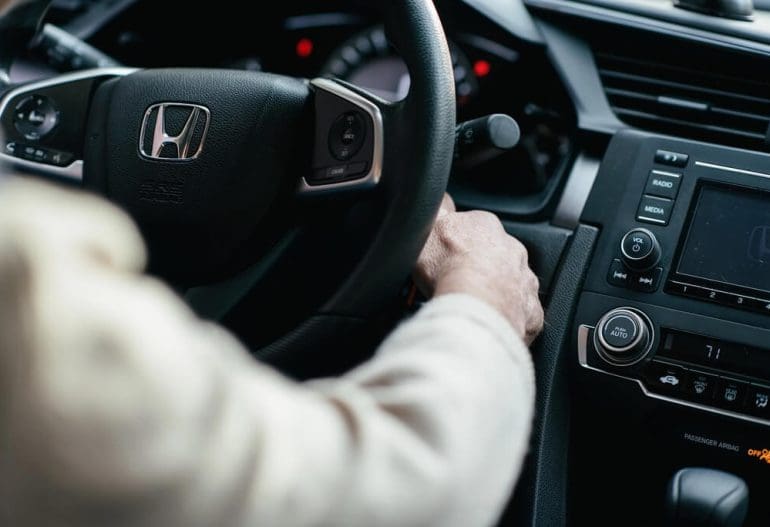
(677, 295)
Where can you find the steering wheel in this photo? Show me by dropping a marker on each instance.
(213, 163)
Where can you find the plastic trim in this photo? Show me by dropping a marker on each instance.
(583, 332)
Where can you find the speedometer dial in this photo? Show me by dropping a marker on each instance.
(367, 60)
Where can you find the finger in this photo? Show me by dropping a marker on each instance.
(447, 205)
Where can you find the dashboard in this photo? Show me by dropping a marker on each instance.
(344, 39)
(641, 186)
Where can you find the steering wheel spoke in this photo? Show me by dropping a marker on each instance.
(43, 123)
(349, 139)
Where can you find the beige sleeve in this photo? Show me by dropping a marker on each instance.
(118, 407)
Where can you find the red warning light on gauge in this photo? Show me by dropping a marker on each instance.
(482, 68)
(304, 48)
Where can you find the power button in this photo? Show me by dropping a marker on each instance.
(640, 250)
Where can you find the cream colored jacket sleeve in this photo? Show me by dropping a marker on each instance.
(118, 407)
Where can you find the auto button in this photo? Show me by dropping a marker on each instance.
(623, 336)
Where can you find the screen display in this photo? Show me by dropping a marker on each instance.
(729, 238)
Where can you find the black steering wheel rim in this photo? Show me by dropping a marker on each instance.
(419, 147)
(417, 142)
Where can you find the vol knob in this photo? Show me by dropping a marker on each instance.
(623, 336)
(640, 250)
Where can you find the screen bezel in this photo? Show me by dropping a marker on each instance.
(695, 204)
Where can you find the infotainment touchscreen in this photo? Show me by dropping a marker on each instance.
(728, 242)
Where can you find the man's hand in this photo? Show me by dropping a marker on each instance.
(470, 252)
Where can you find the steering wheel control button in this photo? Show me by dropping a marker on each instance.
(38, 154)
(665, 378)
(731, 393)
(655, 210)
(339, 173)
(672, 159)
(640, 250)
(618, 274)
(35, 117)
(623, 336)
(663, 184)
(347, 135)
(700, 387)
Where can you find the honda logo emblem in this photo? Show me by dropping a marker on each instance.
(174, 131)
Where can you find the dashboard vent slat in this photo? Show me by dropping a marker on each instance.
(698, 104)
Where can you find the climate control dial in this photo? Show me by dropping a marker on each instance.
(623, 336)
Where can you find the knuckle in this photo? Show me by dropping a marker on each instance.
(449, 231)
(534, 281)
(519, 248)
(485, 219)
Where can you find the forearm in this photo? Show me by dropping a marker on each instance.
(459, 379)
(119, 404)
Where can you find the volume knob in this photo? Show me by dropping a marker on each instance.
(623, 336)
(640, 250)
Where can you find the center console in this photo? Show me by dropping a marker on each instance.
(677, 299)
(671, 339)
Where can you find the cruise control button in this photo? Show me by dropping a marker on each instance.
(663, 184)
(700, 387)
(618, 275)
(674, 159)
(758, 401)
(332, 173)
(655, 210)
(662, 377)
(337, 173)
(346, 136)
(731, 393)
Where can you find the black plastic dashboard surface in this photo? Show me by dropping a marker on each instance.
(701, 395)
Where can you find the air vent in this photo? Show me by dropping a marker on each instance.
(679, 101)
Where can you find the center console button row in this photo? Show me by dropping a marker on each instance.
(758, 305)
(731, 393)
(663, 184)
(664, 378)
(645, 282)
(674, 159)
(708, 389)
(655, 210)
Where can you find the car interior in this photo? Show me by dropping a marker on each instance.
(286, 168)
